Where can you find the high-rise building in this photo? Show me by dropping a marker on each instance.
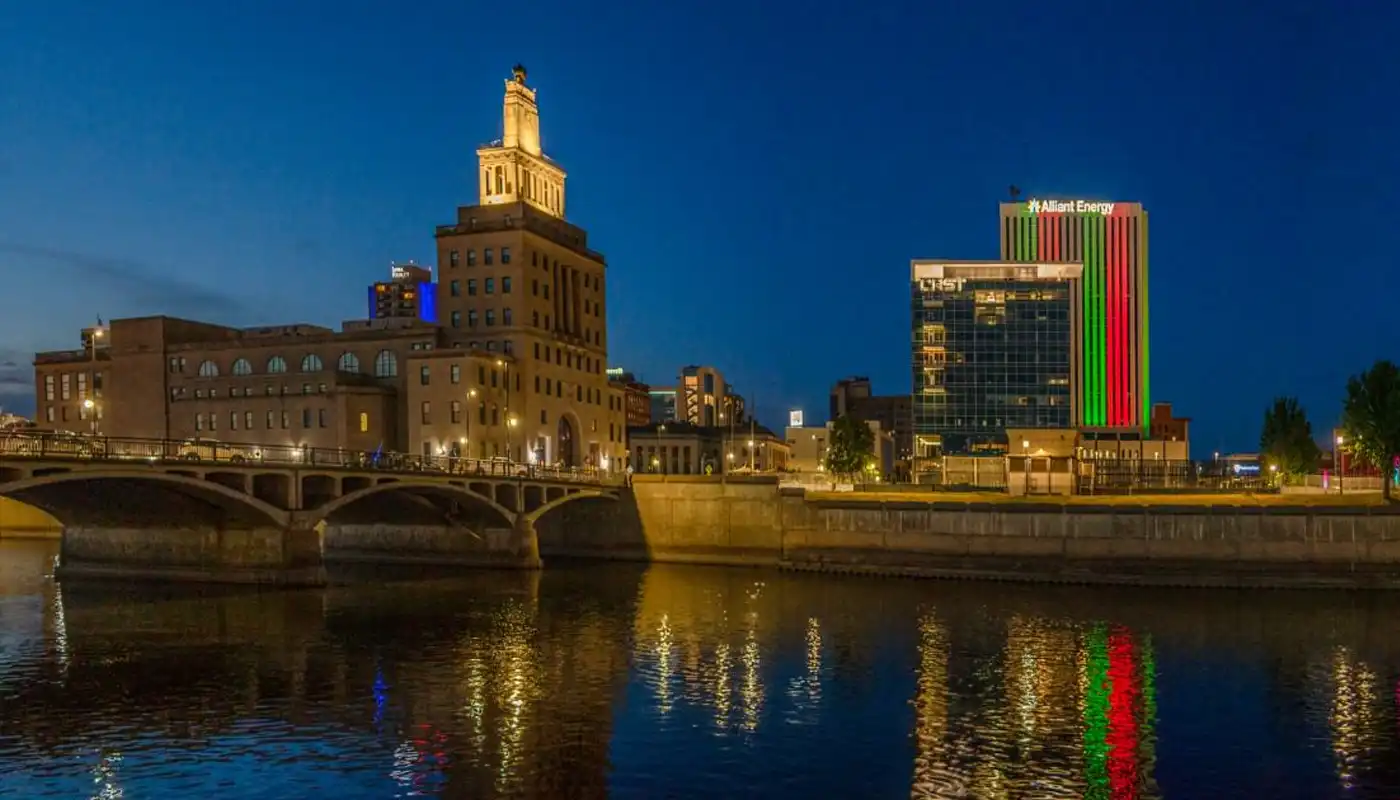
(993, 348)
(516, 278)
(408, 294)
(1110, 240)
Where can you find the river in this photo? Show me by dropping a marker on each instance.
(678, 682)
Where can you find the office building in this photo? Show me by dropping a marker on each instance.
(517, 279)
(680, 448)
(1110, 240)
(992, 349)
(700, 397)
(853, 396)
(408, 294)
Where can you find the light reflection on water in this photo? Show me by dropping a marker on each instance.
(597, 681)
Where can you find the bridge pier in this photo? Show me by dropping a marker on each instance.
(259, 555)
(434, 544)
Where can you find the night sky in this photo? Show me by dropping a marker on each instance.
(758, 174)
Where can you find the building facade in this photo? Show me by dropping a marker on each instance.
(992, 349)
(636, 397)
(680, 448)
(408, 294)
(169, 378)
(517, 280)
(700, 397)
(1110, 241)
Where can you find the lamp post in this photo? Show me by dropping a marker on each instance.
(467, 437)
(751, 455)
(1026, 464)
(505, 375)
(90, 403)
(1338, 457)
(512, 422)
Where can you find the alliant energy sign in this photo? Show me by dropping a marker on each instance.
(1068, 207)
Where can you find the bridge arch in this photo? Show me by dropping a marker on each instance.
(411, 487)
(582, 494)
(112, 495)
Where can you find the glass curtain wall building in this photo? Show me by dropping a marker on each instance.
(1110, 241)
(993, 348)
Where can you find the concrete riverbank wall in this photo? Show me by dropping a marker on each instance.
(22, 521)
(752, 522)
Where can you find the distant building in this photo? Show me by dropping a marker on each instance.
(408, 294)
(809, 444)
(853, 396)
(701, 397)
(1166, 426)
(679, 448)
(636, 397)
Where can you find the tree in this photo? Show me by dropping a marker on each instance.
(1371, 417)
(1286, 441)
(851, 447)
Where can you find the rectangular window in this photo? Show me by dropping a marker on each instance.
(66, 382)
(321, 418)
(456, 319)
(82, 385)
(286, 420)
(427, 413)
(471, 287)
(471, 318)
(456, 288)
(364, 422)
(271, 420)
(494, 379)
(213, 421)
(535, 287)
(505, 255)
(423, 375)
(505, 285)
(248, 420)
(486, 257)
(306, 418)
(48, 414)
(490, 317)
(454, 258)
(198, 421)
(48, 388)
(456, 411)
(490, 286)
(508, 347)
(233, 420)
(455, 373)
(505, 316)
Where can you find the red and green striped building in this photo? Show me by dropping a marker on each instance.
(1111, 389)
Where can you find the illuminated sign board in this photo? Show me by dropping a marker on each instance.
(795, 418)
(941, 284)
(1069, 207)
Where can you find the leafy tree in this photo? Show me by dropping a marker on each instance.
(851, 447)
(1286, 440)
(1371, 417)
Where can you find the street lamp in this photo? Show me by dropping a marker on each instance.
(91, 406)
(466, 440)
(1026, 463)
(1338, 457)
(751, 454)
(511, 423)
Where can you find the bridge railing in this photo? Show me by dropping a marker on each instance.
(68, 446)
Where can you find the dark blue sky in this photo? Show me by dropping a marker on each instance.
(759, 174)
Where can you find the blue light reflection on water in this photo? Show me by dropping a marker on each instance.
(691, 683)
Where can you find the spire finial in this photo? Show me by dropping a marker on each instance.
(518, 73)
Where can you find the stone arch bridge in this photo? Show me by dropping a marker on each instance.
(254, 521)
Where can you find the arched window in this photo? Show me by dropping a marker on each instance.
(349, 362)
(386, 365)
(208, 369)
(312, 363)
(242, 367)
(276, 365)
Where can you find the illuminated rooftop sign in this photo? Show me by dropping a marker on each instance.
(1068, 207)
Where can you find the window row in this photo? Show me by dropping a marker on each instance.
(488, 286)
(386, 365)
(507, 318)
(488, 257)
(454, 375)
(271, 420)
(61, 387)
(61, 413)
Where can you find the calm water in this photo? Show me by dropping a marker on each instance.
(689, 682)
